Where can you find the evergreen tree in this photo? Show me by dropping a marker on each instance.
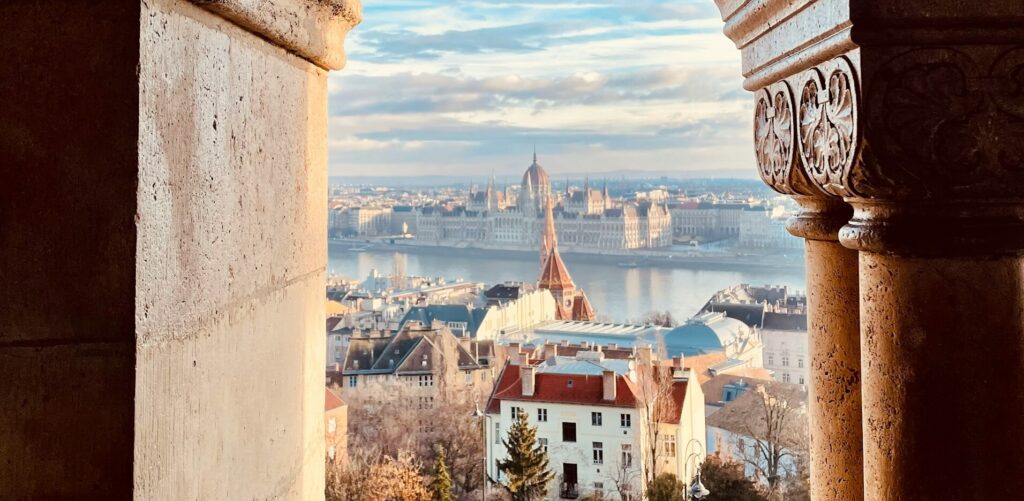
(666, 487)
(441, 483)
(527, 465)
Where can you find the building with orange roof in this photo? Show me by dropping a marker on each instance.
(335, 426)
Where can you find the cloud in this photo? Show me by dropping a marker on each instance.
(460, 87)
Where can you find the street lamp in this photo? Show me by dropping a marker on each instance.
(479, 414)
(696, 490)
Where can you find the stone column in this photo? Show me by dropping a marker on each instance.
(833, 322)
(913, 113)
(939, 222)
(162, 247)
(833, 325)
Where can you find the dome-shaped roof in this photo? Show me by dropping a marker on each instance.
(536, 174)
(706, 333)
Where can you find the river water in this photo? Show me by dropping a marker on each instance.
(618, 294)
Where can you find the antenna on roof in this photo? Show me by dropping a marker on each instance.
(534, 152)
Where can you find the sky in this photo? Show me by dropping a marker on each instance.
(468, 88)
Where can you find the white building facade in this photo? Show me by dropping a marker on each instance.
(589, 421)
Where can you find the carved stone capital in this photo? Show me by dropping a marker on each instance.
(868, 102)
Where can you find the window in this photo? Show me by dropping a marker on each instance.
(469, 378)
(542, 415)
(800, 363)
(568, 432)
(595, 418)
(625, 420)
(516, 411)
(598, 453)
(785, 377)
(353, 381)
(569, 383)
(785, 361)
(426, 380)
(543, 444)
(426, 403)
(332, 425)
(599, 489)
(497, 433)
(627, 455)
(771, 360)
(801, 380)
(670, 446)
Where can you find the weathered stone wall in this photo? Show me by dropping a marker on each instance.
(231, 256)
(162, 247)
(68, 128)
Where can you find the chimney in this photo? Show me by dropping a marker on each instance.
(550, 350)
(608, 383)
(677, 362)
(527, 373)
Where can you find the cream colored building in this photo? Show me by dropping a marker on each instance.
(586, 220)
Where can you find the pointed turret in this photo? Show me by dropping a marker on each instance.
(549, 238)
(604, 195)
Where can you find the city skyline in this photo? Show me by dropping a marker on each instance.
(463, 88)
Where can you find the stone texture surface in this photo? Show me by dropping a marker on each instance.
(834, 403)
(943, 360)
(315, 29)
(231, 257)
(68, 128)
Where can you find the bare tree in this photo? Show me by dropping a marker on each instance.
(403, 414)
(371, 476)
(624, 477)
(778, 434)
(654, 391)
(659, 318)
(654, 396)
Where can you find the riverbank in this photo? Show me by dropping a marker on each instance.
(722, 259)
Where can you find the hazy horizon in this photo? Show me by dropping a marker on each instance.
(468, 88)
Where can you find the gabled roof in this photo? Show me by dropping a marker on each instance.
(411, 350)
(332, 401)
(446, 313)
(581, 308)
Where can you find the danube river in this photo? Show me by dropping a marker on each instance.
(618, 294)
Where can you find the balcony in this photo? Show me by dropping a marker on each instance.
(569, 491)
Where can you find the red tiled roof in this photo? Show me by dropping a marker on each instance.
(586, 390)
(554, 388)
(332, 401)
(582, 309)
(554, 274)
